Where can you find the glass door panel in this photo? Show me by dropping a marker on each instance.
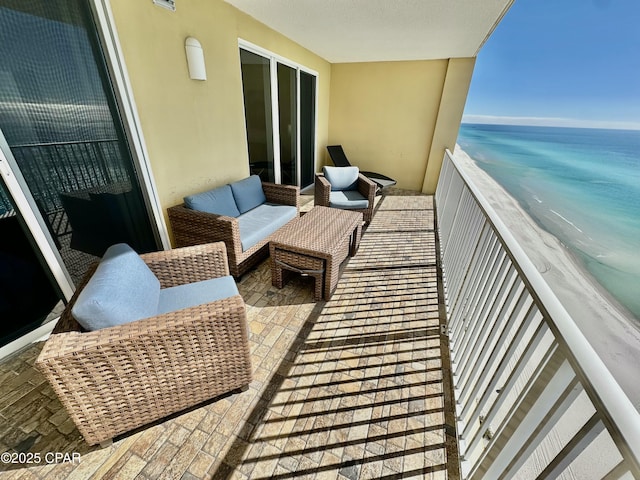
(61, 124)
(256, 86)
(287, 115)
(280, 104)
(28, 296)
(307, 128)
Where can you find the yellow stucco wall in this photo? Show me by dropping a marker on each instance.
(195, 130)
(387, 115)
(453, 99)
(395, 118)
(384, 114)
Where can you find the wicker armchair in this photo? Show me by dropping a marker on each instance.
(366, 188)
(114, 380)
(192, 227)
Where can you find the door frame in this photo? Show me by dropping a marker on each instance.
(274, 59)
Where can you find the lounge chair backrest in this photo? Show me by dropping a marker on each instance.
(337, 155)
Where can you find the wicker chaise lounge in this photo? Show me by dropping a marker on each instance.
(117, 379)
(193, 227)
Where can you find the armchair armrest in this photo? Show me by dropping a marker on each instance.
(188, 264)
(282, 194)
(322, 190)
(367, 188)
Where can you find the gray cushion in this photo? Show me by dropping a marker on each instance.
(259, 223)
(341, 178)
(349, 200)
(248, 193)
(122, 290)
(193, 294)
(219, 201)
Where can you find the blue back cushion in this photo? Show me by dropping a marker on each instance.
(219, 201)
(122, 290)
(342, 178)
(248, 193)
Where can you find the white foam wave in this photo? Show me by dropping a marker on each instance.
(568, 221)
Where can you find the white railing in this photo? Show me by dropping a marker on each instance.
(533, 398)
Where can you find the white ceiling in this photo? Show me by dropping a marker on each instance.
(381, 30)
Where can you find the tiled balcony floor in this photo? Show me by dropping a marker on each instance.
(354, 388)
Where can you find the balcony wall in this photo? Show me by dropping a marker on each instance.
(397, 118)
(392, 117)
(195, 130)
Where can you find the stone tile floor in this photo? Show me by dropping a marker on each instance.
(354, 388)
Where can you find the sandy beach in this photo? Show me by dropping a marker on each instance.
(608, 326)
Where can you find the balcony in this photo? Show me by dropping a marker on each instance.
(441, 354)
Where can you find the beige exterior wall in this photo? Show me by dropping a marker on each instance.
(195, 130)
(454, 96)
(396, 117)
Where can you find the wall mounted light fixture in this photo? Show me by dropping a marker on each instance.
(168, 4)
(195, 59)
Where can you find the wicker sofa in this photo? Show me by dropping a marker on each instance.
(191, 226)
(114, 380)
(346, 188)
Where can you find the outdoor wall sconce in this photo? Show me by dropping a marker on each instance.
(195, 59)
(168, 4)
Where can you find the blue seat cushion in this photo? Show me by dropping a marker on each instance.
(342, 178)
(248, 193)
(348, 200)
(219, 201)
(259, 223)
(193, 294)
(121, 290)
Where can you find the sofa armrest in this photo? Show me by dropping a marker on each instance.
(322, 190)
(191, 227)
(188, 264)
(117, 379)
(282, 194)
(367, 188)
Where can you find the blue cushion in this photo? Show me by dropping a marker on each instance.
(193, 294)
(342, 178)
(248, 193)
(219, 201)
(262, 221)
(122, 290)
(349, 200)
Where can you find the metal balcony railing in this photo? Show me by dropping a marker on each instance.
(52, 168)
(534, 400)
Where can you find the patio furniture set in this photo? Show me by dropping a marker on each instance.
(145, 336)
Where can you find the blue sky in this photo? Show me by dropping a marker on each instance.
(563, 63)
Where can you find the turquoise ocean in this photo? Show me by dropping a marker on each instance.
(580, 185)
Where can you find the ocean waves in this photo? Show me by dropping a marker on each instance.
(582, 186)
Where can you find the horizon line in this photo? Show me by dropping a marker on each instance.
(549, 122)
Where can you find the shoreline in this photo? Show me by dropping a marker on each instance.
(611, 329)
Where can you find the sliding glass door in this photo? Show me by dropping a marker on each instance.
(288, 123)
(256, 81)
(62, 135)
(280, 113)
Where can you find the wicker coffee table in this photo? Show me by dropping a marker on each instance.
(315, 245)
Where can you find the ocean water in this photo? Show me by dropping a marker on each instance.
(580, 185)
